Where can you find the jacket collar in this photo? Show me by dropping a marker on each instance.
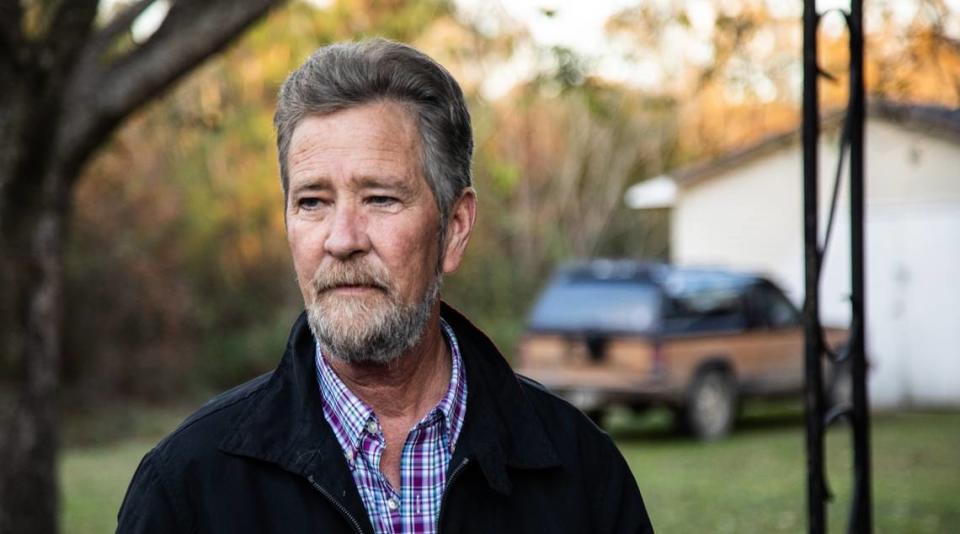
(284, 424)
(501, 428)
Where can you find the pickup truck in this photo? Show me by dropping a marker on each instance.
(698, 341)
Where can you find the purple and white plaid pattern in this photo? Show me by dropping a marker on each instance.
(415, 508)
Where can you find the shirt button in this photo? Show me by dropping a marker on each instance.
(350, 456)
(392, 504)
(372, 427)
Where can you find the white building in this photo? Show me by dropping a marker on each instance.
(745, 211)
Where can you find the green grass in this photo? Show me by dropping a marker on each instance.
(753, 481)
(93, 484)
(103, 451)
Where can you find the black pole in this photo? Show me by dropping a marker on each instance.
(813, 398)
(857, 413)
(861, 513)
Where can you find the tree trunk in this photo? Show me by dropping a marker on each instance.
(60, 98)
(32, 215)
(31, 266)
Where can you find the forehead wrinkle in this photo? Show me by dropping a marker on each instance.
(335, 151)
(396, 113)
(372, 146)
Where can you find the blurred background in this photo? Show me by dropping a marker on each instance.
(654, 130)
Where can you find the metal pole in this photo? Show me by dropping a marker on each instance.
(813, 397)
(861, 513)
(858, 415)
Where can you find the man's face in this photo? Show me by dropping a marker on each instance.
(363, 228)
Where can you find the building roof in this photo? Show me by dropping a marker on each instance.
(924, 118)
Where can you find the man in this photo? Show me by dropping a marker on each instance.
(389, 411)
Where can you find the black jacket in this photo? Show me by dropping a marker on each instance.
(261, 458)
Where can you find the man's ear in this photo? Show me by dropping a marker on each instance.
(459, 227)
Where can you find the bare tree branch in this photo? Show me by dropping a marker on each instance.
(31, 82)
(69, 29)
(89, 66)
(119, 24)
(192, 31)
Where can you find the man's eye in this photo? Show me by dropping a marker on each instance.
(382, 200)
(309, 203)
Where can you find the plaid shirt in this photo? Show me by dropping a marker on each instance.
(415, 508)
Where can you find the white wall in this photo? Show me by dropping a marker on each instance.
(751, 218)
(914, 303)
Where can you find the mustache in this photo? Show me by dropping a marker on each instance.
(350, 274)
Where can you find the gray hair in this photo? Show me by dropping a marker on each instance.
(346, 75)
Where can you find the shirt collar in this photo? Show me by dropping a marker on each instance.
(282, 418)
(453, 405)
(348, 415)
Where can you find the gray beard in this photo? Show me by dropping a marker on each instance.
(375, 329)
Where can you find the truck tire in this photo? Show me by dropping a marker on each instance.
(711, 405)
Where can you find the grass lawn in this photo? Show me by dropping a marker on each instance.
(753, 481)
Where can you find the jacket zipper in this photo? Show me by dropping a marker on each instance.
(343, 510)
(443, 497)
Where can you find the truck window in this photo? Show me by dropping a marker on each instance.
(770, 308)
(597, 306)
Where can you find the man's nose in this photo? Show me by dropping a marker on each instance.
(348, 233)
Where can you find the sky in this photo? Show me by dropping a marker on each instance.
(576, 24)
(579, 26)
(573, 24)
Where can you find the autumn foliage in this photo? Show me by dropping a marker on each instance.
(178, 276)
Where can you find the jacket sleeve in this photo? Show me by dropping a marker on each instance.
(620, 505)
(148, 507)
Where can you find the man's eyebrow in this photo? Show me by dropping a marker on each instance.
(384, 182)
(319, 184)
(398, 185)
